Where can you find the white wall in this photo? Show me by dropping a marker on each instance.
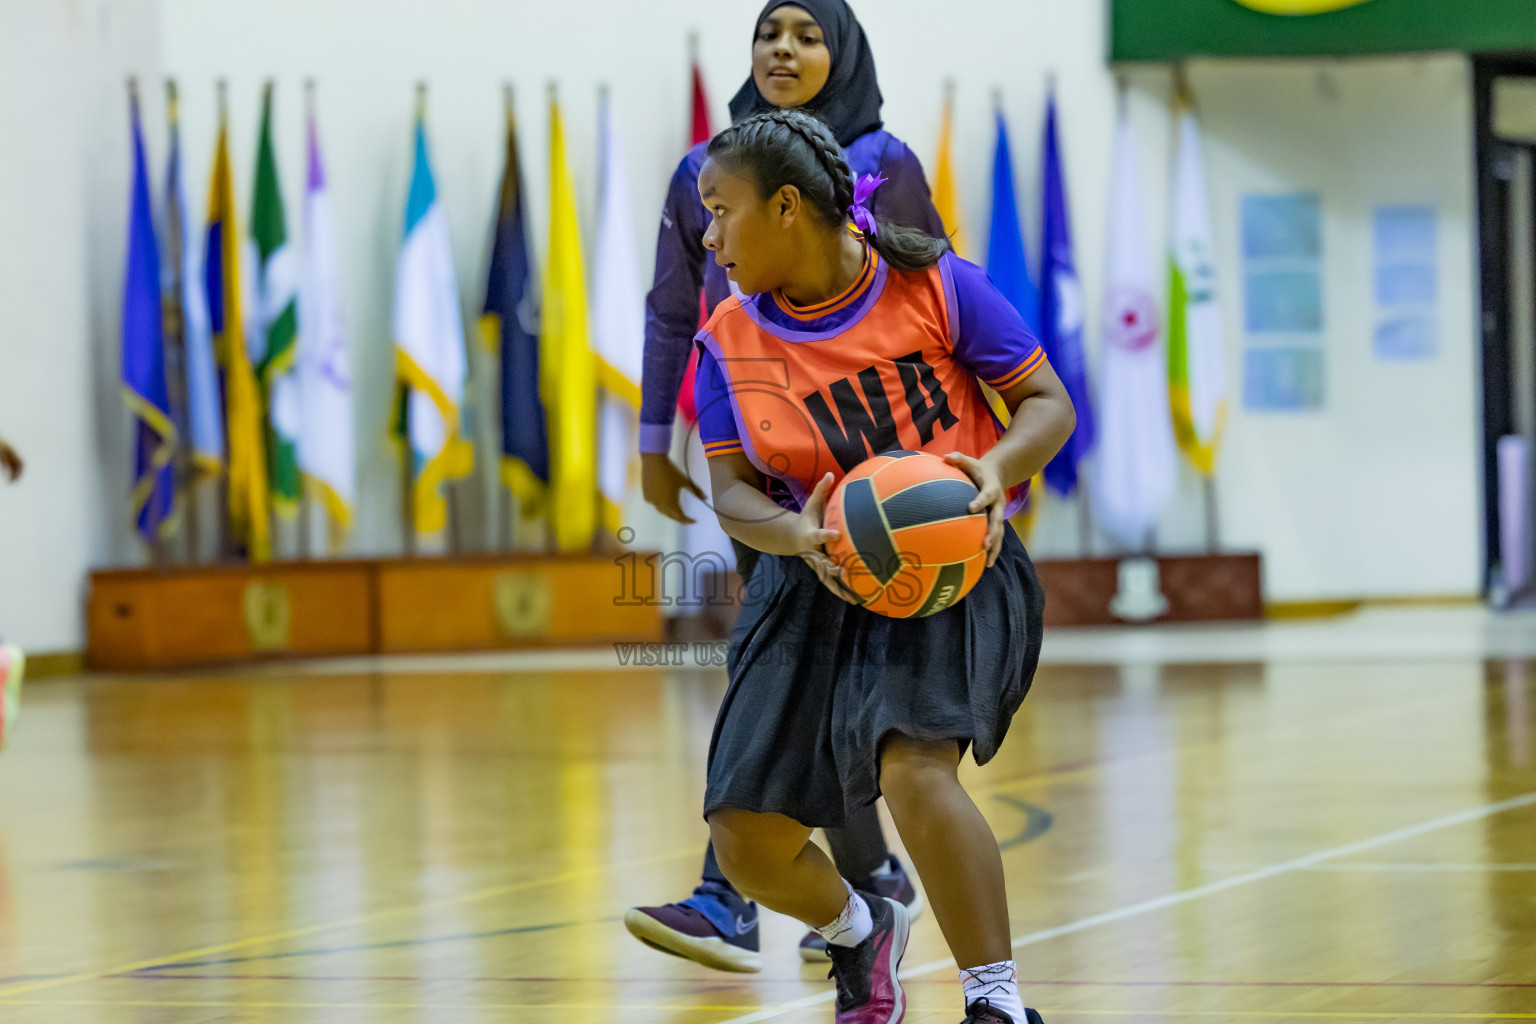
(63, 211)
(1380, 492)
(1337, 500)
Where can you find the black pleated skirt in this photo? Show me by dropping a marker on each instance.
(816, 684)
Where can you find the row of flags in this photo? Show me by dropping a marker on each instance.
(247, 377)
(1151, 397)
(221, 381)
(562, 356)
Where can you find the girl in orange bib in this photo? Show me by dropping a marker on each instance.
(845, 341)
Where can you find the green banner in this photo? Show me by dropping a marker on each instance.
(1171, 30)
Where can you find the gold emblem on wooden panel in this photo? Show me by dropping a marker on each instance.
(523, 604)
(268, 616)
(1299, 7)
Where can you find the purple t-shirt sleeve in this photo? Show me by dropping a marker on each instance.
(672, 307)
(990, 337)
(717, 420)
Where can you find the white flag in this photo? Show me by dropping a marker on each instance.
(1197, 371)
(618, 325)
(429, 346)
(326, 446)
(1135, 467)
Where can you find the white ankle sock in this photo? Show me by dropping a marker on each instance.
(884, 869)
(853, 925)
(998, 984)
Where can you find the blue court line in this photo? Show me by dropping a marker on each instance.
(1037, 821)
(397, 944)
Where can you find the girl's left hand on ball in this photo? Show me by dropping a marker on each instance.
(992, 497)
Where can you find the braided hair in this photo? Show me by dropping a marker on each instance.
(784, 146)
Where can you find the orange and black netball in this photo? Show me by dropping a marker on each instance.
(909, 544)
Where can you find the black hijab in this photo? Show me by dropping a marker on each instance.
(850, 101)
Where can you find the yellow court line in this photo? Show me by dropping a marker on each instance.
(362, 1006)
(379, 915)
(708, 1008)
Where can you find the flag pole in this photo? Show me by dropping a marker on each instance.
(157, 553)
(1084, 518)
(186, 469)
(407, 453)
(600, 541)
(1184, 97)
(552, 94)
(450, 487)
(504, 528)
(274, 520)
(306, 505)
(221, 486)
(1212, 522)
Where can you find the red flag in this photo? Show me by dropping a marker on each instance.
(702, 132)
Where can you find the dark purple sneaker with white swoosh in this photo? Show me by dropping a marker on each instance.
(868, 991)
(714, 927)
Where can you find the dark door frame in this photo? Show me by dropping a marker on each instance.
(1495, 328)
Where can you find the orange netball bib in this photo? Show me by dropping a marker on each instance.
(812, 390)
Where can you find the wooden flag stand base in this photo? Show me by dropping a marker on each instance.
(1150, 589)
(139, 619)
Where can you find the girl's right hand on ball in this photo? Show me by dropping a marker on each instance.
(811, 540)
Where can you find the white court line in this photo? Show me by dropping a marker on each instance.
(1391, 867)
(1174, 899)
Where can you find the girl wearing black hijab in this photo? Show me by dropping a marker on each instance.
(811, 54)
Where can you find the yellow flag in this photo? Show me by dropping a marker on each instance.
(944, 177)
(567, 368)
(248, 510)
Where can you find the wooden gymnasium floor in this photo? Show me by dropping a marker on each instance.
(1312, 822)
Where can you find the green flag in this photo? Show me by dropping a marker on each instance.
(1197, 373)
(275, 322)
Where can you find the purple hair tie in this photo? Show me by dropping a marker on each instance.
(861, 193)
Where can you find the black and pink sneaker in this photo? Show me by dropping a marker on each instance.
(868, 991)
(894, 884)
(714, 927)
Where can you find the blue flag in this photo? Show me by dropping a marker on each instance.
(511, 326)
(154, 484)
(1007, 264)
(1061, 313)
(196, 400)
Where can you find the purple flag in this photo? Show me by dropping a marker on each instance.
(1061, 313)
